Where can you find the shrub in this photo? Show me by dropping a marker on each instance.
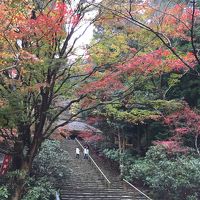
(126, 158)
(112, 154)
(40, 190)
(170, 177)
(4, 193)
(52, 161)
(50, 167)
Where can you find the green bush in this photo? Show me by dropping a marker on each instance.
(40, 190)
(112, 154)
(50, 168)
(126, 158)
(170, 177)
(4, 193)
(52, 161)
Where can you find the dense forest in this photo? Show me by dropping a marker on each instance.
(137, 81)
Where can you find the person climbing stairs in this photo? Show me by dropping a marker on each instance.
(85, 183)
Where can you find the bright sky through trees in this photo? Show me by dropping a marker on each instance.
(86, 28)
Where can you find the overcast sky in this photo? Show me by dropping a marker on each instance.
(88, 35)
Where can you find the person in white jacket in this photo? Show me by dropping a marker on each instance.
(77, 152)
(86, 153)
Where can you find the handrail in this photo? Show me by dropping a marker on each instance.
(95, 164)
(57, 195)
(137, 189)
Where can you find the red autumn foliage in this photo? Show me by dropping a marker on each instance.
(90, 137)
(182, 123)
(91, 120)
(50, 23)
(157, 61)
(44, 26)
(108, 84)
(177, 21)
(173, 22)
(172, 146)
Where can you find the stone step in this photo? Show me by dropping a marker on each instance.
(94, 192)
(96, 198)
(95, 195)
(85, 183)
(103, 190)
(102, 197)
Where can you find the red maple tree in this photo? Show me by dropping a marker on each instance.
(183, 123)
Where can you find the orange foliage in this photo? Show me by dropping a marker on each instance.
(176, 21)
(158, 62)
(17, 23)
(110, 81)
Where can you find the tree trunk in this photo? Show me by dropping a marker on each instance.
(119, 143)
(25, 169)
(20, 181)
(138, 147)
(121, 150)
(17, 193)
(196, 143)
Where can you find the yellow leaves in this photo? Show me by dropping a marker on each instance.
(3, 102)
(74, 108)
(78, 68)
(23, 71)
(18, 18)
(99, 75)
(5, 55)
(6, 58)
(110, 47)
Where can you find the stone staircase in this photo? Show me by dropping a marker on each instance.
(85, 183)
